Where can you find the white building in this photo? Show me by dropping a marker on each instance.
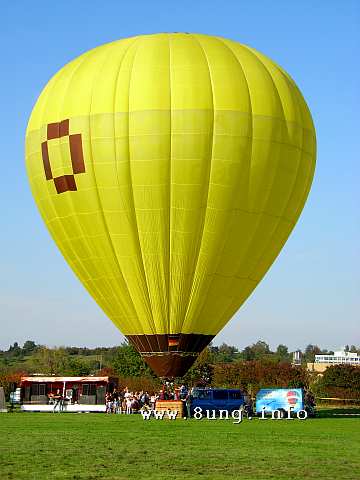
(297, 358)
(339, 358)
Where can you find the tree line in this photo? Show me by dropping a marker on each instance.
(254, 367)
(126, 361)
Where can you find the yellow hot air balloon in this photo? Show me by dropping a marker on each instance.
(170, 169)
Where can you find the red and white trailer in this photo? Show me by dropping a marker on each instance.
(68, 394)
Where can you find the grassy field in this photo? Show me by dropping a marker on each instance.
(94, 446)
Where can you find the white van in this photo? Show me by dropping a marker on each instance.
(15, 397)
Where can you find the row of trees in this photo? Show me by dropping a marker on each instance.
(218, 354)
(256, 366)
(338, 381)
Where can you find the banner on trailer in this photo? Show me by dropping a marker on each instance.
(279, 398)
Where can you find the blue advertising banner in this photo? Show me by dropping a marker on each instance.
(279, 398)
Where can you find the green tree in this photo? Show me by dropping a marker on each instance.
(282, 352)
(342, 381)
(256, 351)
(14, 350)
(310, 352)
(129, 363)
(223, 353)
(255, 374)
(201, 372)
(29, 347)
(248, 353)
(76, 367)
(50, 361)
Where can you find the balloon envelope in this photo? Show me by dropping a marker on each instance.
(170, 169)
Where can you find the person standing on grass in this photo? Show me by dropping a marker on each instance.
(152, 401)
(188, 405)
(58, 400)
(108, 402)
(144, 399)
(128, 405)
(115, 396)
(183, 392)
(123, 405)
(126, 393)
(182, 396)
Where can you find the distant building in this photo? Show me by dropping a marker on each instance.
(338, 358)
(297, 357)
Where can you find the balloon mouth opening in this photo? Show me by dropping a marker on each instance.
(170, 365)
(170, 355)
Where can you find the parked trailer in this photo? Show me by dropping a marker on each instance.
(282, 399)
(68, 394)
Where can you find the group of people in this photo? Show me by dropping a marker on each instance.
(57, 400)
(125, 401)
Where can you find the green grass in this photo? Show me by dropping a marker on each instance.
(94, 446)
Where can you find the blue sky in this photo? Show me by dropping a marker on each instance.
(311, 294)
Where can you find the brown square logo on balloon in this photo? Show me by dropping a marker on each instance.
(63, 183)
